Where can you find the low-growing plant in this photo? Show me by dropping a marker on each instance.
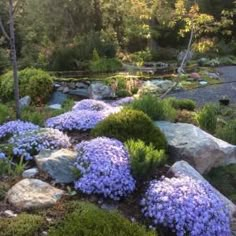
(228, 132)
(123, 93)
(130, 124)
(88, 220)
(155, 108)
(227, 173)
(183, 104)
(185, 116)
(105, 65)
(22, 225)
(207, 118)
(5, 113)
(145, 159)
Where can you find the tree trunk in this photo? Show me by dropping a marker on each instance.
(14, 59)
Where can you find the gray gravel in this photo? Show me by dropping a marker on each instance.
(214, 92)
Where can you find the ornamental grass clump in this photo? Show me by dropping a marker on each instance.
(187, 207)
(30, 143)
(16, 127)
(104, 168)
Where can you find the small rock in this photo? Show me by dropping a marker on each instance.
(195, 76)
(82, 92)
(58, 98)
(25, 102)
(109, 207)
(214, 75)
(82, 85)
(66, 90)
(9, 214)
(33, 194)
(55, 106)
(44, 233)
(30, 173)
(99, 90)
(57, 164)
(203, 83)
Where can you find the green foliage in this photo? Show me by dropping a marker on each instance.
(5, 113)
(35, 83)
(22, 225)
(105, 65)
(123, 93)
(4, 60)
(228, 132)
(88, 220)
(141, 56)
(183, 104)
(145, 159)
(155, 108)
(228, 185)
(185, 116)
(130, 124)
(207, 118)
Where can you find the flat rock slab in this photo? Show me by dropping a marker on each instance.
(33, 194)
(183, 168)
(202, 150)
(57, 164)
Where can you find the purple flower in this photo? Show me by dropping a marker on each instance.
(91, 105)
(122, 101)
(104, 167)
(79, 119)
(16, 127)
(2, 156)
(186, 206)
(31, 143)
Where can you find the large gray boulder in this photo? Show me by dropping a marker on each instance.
(99, 90)
(183, 168)
(33, 194)
(57, 164)
(25, 102)
(202, 150)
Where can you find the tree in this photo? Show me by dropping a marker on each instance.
(11, 39)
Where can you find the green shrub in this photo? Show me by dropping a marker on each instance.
(22, 225)
(4, 60)
(5, 113)
(145, 159)
(130, 124)
(183, 104)
(228, 186)
(89, 220)
(155, 108)
(228, 132)
(35, 83)
(185, 116)
(207, 118)
(105, 65)
(123, 93)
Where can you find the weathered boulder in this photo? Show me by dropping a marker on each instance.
(25, 102)
(99, 90)
(202, 150)
(58, 98)
(57, 164)
(155, 87)
(81, 92)
(33, 194)
(182, 167)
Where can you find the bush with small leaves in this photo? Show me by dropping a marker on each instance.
(207, 118)
(131, 124)
(155, 108)
(88, 220)
(22, 225)
(183, 104)
(145, 159)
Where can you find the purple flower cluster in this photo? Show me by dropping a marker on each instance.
(186, 206)
(122, 101)
(31, 143)
(104, 167)
(79, 119)
(16, 127)
(90, 105)
(2, 156)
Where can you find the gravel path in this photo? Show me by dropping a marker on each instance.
(213, 93)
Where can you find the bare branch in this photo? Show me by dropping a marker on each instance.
(3, 30)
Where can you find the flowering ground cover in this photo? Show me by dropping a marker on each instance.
(186, 206)
(104, 167)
